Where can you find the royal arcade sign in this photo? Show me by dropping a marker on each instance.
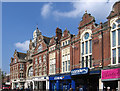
(79, 71)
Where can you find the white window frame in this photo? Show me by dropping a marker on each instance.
(83, 40)
(65, 58)
(113, 21)
(52, 64)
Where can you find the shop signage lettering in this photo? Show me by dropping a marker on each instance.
(111, 74)
(79, 71)
(58, 78)
(63, 77)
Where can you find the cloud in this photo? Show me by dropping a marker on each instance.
(24, 46)
(98, 8)
(46, 9)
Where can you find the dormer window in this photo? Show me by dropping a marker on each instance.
(40, 48)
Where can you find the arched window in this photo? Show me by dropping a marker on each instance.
(115, 42)
(40, 48)
(118, 21)
(86, 49)
(113, 26)
(30, 71)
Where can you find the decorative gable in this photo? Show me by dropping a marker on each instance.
(115, 11)
(66, 33)
(52, 41)
(86, 20)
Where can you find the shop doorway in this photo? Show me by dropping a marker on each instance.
(111, 85)
(31, 85)
(44, 85)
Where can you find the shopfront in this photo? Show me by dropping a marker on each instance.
(61, 82)
(41, 83)
(111, 79)
(84, 79)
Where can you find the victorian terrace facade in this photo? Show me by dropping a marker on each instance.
(89, 60)
(18, 70)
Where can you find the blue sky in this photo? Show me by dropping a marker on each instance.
(19, 21)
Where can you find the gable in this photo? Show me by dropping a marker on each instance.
(66, 33)
(86, 19)
(52, 41)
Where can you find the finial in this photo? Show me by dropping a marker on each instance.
(100, 22)
(65, 28)
(37, 26)
(85, 11)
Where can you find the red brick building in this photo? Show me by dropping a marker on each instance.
(83, 61)
(18, 70)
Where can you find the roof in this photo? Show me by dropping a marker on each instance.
(21, 55)
(46, 39)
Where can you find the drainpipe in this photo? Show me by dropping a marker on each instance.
(102, 50)
(59, 59)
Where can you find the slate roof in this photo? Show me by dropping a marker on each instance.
(46, 39)
(21, 55)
